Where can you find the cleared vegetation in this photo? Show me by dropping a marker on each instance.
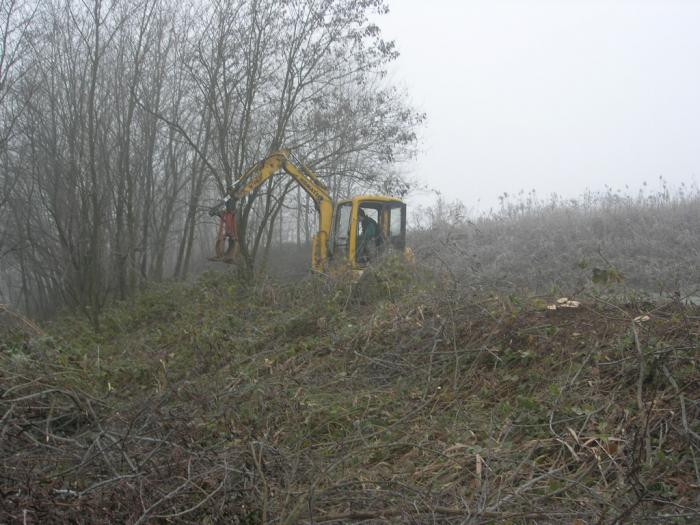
(410, 397)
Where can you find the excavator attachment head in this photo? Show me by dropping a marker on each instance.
(228, 231)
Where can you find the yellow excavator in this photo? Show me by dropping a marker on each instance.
(352, 233)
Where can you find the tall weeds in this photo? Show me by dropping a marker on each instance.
(652, 238)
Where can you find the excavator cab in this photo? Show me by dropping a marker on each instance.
(366, 228)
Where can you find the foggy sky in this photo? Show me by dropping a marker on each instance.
(556, 96)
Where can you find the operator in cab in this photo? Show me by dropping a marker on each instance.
(368, 239)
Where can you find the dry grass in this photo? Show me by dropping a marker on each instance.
(410, 398)
(652, 239)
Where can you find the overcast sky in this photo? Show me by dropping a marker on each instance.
(556, 96)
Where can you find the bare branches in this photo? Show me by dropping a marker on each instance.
(100, 459)
(136, 115)
(26, 323)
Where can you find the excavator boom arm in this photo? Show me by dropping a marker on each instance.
(275, 162)
(281, 161)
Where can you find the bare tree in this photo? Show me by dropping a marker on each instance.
(122, 122)
(16, 40)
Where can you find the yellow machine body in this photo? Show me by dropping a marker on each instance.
(339, 241)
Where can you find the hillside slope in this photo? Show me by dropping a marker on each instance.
(405, 399)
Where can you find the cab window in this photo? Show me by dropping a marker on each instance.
(397, 225)
(341, 231)
(369, 232)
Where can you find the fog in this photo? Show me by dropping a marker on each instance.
(113, 148)
(555, 96)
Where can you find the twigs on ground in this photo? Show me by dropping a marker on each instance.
(442, 407)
